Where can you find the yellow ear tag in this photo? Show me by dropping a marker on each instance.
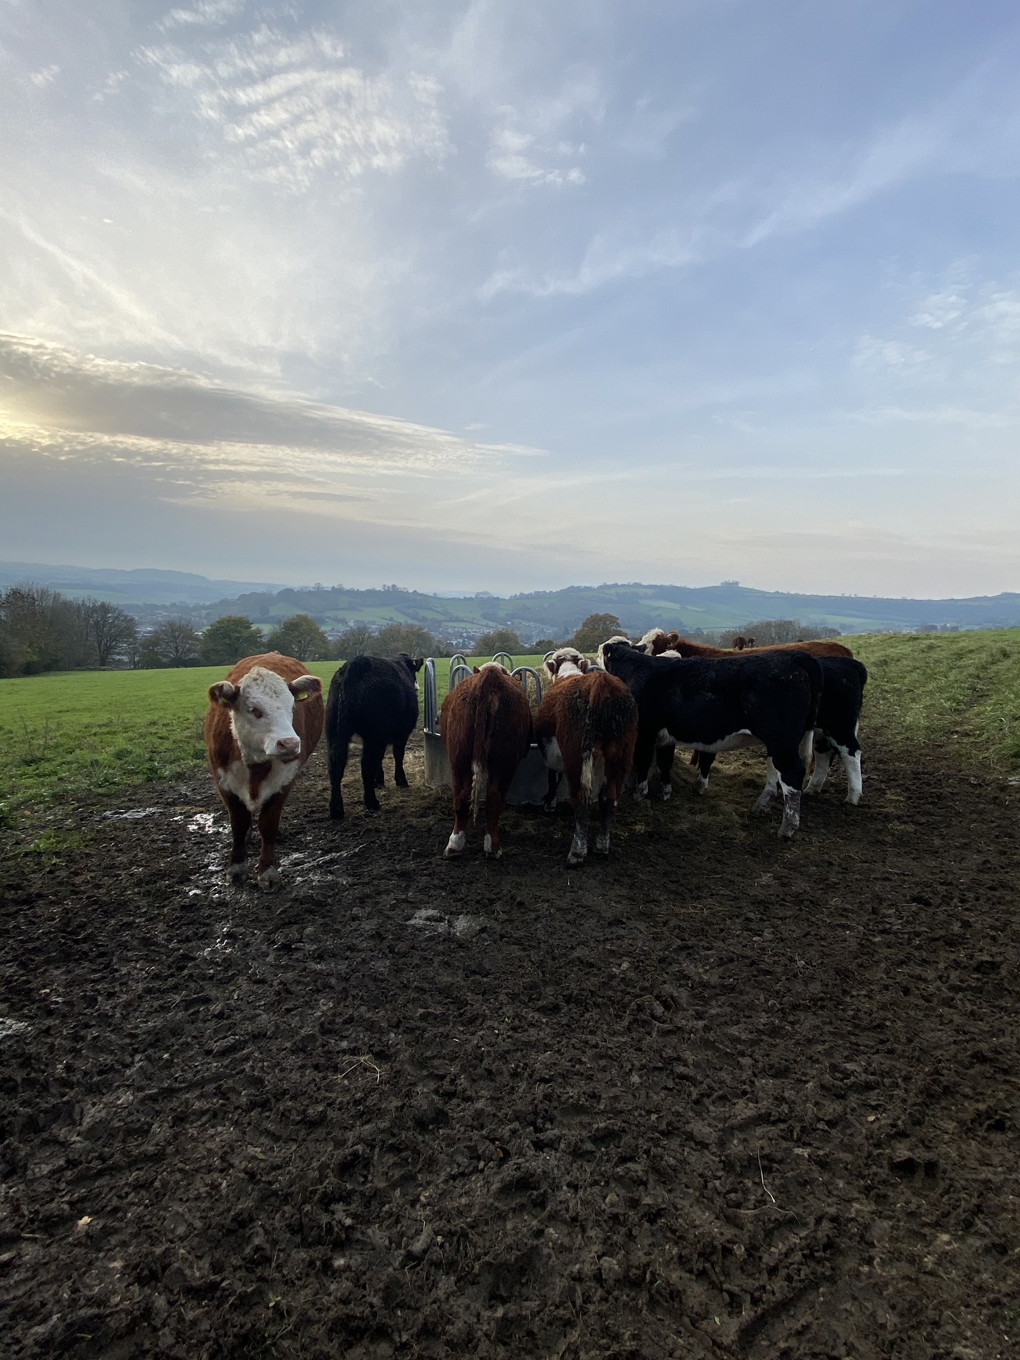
(299, 697)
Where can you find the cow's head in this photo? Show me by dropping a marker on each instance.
(566, 661)
(262, 712)
(602, 647)
(613, 655)
(413, 664)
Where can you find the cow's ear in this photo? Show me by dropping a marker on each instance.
(304, 686)
(418, 662)
(223, 692)
(476, 670)
(583, 665)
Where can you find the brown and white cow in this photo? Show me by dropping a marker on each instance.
(485, 724)
(586, 728)
(565, 661)
(263, 723)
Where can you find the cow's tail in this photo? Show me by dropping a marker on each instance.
(603, 711)
(486, 714)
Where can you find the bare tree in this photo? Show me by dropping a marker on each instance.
(173, 643)
(109, 630)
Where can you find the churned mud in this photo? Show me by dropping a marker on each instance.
(716, 1096)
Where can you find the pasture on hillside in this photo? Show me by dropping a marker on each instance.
(714, 1096)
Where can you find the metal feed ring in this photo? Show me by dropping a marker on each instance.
(524, 672)
(431, 718)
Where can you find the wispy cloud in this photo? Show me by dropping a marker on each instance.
(206, 14)
(292, 107)
(69, 395)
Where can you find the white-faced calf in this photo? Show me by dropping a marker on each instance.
(263, 723)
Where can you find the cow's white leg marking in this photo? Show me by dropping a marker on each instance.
(702, 783)
(641, 791)
(578, 848)
(667, 792)
(807, 746)
(602, 843)
(235, 872)
(270, 879)
(854, 783)
(822, 761)
(487, 847)
(791, 811)
(456, 845)
(770, 790)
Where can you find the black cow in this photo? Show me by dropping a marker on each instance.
(720, 704)
(378, 699)
(839, 714)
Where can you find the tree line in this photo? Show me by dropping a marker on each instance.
(41, 630)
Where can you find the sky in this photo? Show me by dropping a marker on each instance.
(510, 296)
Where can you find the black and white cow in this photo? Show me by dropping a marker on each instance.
(377, 698)
(839, 716)
(720, 705)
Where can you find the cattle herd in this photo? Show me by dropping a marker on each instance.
(598, 723)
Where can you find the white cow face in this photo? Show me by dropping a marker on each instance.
(262, 713)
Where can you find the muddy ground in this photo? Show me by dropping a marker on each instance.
(717, 1096)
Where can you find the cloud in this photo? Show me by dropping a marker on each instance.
(290, 108)
(49, 387)
(606, 260)
(507, 157)
(208, 13)
(874, 353)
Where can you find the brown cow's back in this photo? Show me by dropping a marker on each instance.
(485, 723)
(819, 647)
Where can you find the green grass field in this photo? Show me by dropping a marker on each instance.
(960, 690)
(75, 731)
(72, 733)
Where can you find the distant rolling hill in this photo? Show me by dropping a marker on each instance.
(151, 594)
(139, 586)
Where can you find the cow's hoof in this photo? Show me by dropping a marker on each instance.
(549, 807)
(602, 845)
(785, 833)
(489, 852)
(576, 857)
(270, 879)
(667, 792)
(336, 814)
(640, 791)
(853, 799)
(235, 872)
(373, 807)
(401, 782)
(456, 845)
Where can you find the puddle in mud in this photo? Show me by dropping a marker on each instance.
(206, 822)
(133, 814)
